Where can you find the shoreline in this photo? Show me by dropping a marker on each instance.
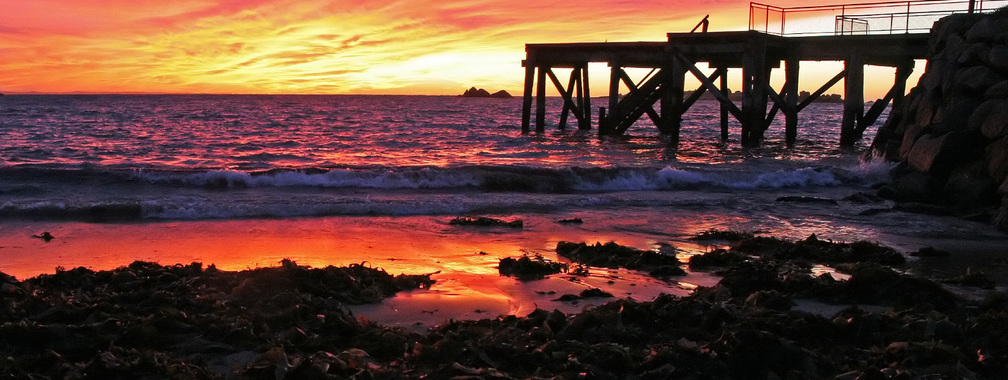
(291, 321)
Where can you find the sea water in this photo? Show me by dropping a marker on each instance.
(242, 181)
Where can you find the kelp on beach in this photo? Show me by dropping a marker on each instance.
(189, 322)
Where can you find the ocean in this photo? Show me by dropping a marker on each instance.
(243, 181)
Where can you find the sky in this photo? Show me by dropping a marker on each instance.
(315, 46)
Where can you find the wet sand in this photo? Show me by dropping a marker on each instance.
(461, 259)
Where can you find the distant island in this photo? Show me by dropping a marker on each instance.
(474, 92)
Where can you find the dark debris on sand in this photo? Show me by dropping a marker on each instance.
(483, 221)
(612, 255)
(529, 267)
(186, 322)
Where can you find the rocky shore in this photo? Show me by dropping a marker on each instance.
(951, 135)
(769, 317)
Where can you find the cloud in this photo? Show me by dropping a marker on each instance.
(299, 45)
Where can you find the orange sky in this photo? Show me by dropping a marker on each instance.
(313, 46)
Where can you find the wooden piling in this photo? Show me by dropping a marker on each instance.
(541, 101)
(527, 96)
(853, 99)
(791, 66)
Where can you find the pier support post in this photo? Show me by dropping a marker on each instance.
(724, 107)
(755, 79)
(672, 99)
(791, 66)
(583, 89)
(903, 72)
(527, 96)
(853, 100)
(615, 76)
(541, 100)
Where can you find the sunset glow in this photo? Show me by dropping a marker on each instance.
(317, 46)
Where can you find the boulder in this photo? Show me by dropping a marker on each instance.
(997, 59)
(955, 115)
(911, 187)
(969, 188)
(983, 30)
(974, 54)
(938, 155)
(997, 159)
(997, 91)
(976, 80)
(994, 122)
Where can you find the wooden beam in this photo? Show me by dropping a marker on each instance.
(566, 93)
(815, 95)
(899, 87)
(527, 97)
(707, 82)
(702, 89)
(652, 114)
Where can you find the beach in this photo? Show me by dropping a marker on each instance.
(276, 187)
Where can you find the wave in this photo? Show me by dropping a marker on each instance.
(479, 178)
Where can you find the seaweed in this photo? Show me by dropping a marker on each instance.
(527, 267)
(612, 255)
(485, 222)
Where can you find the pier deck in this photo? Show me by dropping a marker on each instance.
(755, 53)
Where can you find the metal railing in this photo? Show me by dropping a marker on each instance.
(914, 16)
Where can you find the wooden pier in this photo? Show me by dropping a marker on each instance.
(755, 53)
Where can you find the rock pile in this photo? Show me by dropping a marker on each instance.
(951, 135)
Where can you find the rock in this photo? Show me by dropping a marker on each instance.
(955, 115)
(995, 119)
(501, 95)
(474, 92)
(911, 187)
(997, 58)
(983, 30)
(930, 252)
(969, 188)
(997, 159)
(997, 91)
(976, 80)
(974, 54)
(937, 155)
